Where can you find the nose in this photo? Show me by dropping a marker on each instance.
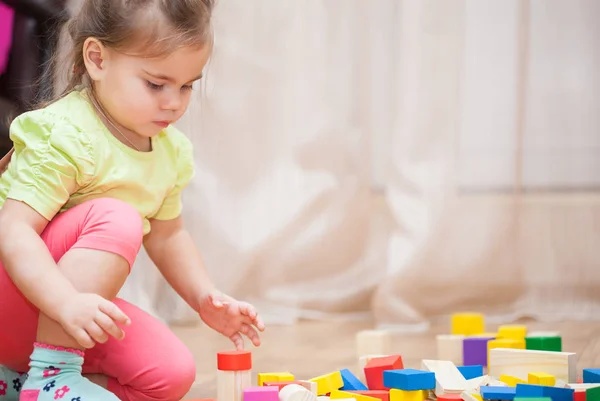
(171, 101)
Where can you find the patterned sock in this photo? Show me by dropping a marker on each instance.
(55, 374)
(10, 384)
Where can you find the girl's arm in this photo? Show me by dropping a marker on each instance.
(27, 260)
(174, 253)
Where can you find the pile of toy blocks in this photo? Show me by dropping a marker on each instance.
(471, 365)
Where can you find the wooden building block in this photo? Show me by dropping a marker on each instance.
(375, 368)
(513, 331)
(475, 383)
(231, 384)
(447, 377)
(535, 390)
(579, 396)
(233, 374)
(498, 393)
(582, 386)
(541, 378)
(411, 395)
(511, 380)
(373, 342)
(591, 375)
(532, 399)
(471, 372)
(328, 383)
(467, 323)
(382, 395)
(261, 393)
(338, 394)
(295, 392)
(449, 397)
(450, 348)
(548, 343)
(470, 396)
(592, 394)
(475, 350)
(409, 379)
(274, 377)
(519, 362)
(351, 382)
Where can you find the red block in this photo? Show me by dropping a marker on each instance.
(383, 395)
(579, 396)
(375, 367)
(449, 397)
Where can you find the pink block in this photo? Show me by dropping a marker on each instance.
(261, 393)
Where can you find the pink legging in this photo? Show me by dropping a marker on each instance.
(151, 363)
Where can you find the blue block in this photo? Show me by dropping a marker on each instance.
(559, 393)
(497, 393)
(534, 390)
(351, 382)
(409, 379)
(591, 375)
(471, 372)
(529, 390)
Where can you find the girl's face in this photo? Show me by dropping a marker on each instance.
(145, 95)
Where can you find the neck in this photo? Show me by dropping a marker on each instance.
(126, 136)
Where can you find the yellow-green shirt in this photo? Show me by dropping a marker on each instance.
(64, 156)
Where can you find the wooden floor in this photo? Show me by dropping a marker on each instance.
(310, 349)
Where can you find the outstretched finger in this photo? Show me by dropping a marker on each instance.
(248, 310)
(113, 311)
(238, 341)
(251, 333)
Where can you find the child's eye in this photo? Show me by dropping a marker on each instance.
(154, 86)
(187, 87)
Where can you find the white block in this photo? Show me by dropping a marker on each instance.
(231, 384)
(450, 348)
(519, 362)
(582, 386)
(295, 392)
(373, 342)
(448, 379)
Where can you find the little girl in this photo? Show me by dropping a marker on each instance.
(94, 175)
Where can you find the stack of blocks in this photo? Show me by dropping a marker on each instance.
(471, 365)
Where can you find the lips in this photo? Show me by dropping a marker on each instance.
(162, 124)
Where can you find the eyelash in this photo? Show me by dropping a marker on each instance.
(156, 87)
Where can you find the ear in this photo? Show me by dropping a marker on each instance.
(95, 58)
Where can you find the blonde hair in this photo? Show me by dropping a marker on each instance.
(148, 28)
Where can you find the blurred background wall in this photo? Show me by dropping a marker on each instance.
(398, 160)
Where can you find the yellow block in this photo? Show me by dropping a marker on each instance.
(505, 343)
(408, 395)
(274, 377)
(468, 323)
(541, 378)
(514, 331)
(478, 396)
(328, 383)
(511, 381)
(339, 395)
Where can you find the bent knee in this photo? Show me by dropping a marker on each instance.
(177, 376)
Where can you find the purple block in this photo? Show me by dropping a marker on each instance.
(261, 393)
(475, 350)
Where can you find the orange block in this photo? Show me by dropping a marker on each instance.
(383, 395)
(375, 367)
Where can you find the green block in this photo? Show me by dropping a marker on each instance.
(532, 399)
(592, 394)
(544, 343)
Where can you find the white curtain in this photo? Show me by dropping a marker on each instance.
(402, 159)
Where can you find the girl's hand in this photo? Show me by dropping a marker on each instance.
(90, 319)
(231, 318)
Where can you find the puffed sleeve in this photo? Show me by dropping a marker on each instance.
(53, 160)
(172, 205)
